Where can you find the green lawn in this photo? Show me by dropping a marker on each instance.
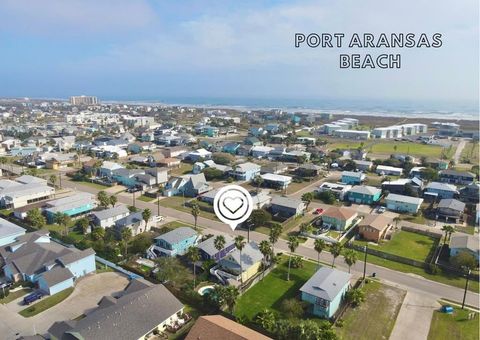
(388, 147)
(145, 198)
(407, 244)
(177, 203)
(470, 153)
(454, 326)
(273, 289)
(380, 300)
(185, 168)
(45, 303)
(15, 295)
(92, 185)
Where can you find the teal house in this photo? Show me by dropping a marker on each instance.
(353, 178)
(210, 131)
(231, 148)
(75, 205)
(325, 291)
(364, 194)
(175, 242)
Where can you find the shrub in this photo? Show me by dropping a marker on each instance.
(297, 262)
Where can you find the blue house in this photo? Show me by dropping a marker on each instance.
(403, 203)
(272, 128)
(209, 252)
(175, 242)
(325, 291)
(246, 171)
(364, 194)
(34, 258)
(256, 131)
(72, 206)
(231, 148)
(127, 177)
(441, 190)
(352, 178)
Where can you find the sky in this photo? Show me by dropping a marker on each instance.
(154, 49)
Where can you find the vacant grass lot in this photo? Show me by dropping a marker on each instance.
(46, 303)
(177, 202)
(407, 244)
(183, 169)
(388, 147)
(454, 326)
(470, 153)
(273, 289)
(380, 300)
(92, 185)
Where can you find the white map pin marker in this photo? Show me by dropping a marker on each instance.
(233, 205)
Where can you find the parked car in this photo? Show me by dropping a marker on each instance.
(318, 211)
(381, 210)
(32, 297)
(158, 218)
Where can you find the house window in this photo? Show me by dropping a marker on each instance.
(321, 302)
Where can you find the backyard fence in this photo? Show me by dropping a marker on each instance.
(112, 265)
(422, 232)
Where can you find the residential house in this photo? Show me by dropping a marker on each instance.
(246, 171)
(127, 177)
(416, 171)
(470, 193)
(325, 291)
(276, 181)
(199, 155)
(219, 327)
(210, 131)
(77, 204)
(401, 203)
(106, 218)
(385, 170)
(461, 242)
(244, 150)
(209, 252)
(338, 189)
(456, 177)
(135, 222)
(256, 131)
(353, 178)
(174, 151)
(250, 261)
(363, 165)
(374, 227)
(339, 218)
(169, 162)
(450, 210)
(107, 168)
(253, 141)
(9, 232)
(286, 207)
(438, 190)
(308, 170)
(231, 147)
(175, 242)
(31, 256)
(260, 151)
(404, 186)
(261, 199)
(364, 194)
(142, 310)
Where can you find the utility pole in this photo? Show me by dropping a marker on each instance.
(158, 206)
(133, 196)
(466, 288)
(365, 262)
(60, 177)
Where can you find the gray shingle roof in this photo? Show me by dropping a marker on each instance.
(177, 235)
(451, 203)
(464, 241)
(326, 283)
(8, 228)
(57, 275)
(208, 245)
(76, 256)
(365, 190)
(286, 202)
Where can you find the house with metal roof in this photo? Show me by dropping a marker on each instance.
(461, 242)
(364, 194)
(401, 203)
(276, 181)
(107, 217)
(9, 232)
(74, 205)
(325, 291)
(35, 258)
(142, 309)
(456, 177)
(388, 170)
(404, 186)
(450, 210)
(175, 242)
(351, 177)
(440, 190)
(286, 206)
(246, 171)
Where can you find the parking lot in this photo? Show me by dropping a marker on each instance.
(88, 292)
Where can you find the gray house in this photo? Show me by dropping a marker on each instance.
(450, 210)
(286, 207)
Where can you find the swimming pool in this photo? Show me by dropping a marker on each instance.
(205, 290)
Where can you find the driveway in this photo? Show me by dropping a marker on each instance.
(415, 316)
(87, 293)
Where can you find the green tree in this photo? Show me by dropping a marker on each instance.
(305, 228)
(132, 209)
(193, 254)
(171, 270)
(83, 224)
(258, 181)
(230, 295)
(464, 261)
(213, 174)
(126, 235)
(219, 242)
(292, 308)
(335, 249)
(113, 200)
(36, 219)
(266, 249)
(195, 211)
(448, 231)
(355, 296)
(327, 197)
(293, 244)
(319, 246)
(62, 220)
(350, 258)
(307, 198)
(53, 180)
(103, 198)
(146, 215)
(98, 234)
(266, 319)
(223, 158)
(140, 243)
(240, 244)
(275, 232)
(260, 217)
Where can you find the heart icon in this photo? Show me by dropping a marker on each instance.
(233, 204)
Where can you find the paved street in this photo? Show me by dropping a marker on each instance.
(403, 280)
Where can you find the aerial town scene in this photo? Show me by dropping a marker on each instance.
(125, 216)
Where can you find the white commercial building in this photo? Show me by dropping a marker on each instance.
(351, 134)
(398, 131)
(23, 191)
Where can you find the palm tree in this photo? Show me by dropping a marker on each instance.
(193, 254)
(126, 234)
(307, 198)
(266, 319)
(113, 200)
(448, 230)
(292, 245)
(350, 258)
(53, 180)
(305, 228)
(230, 295)
(335, 250)
(319, 246)
(195, 212)
(396, 219)
(146, 215)
(266, 249)
(240, 244)
(62, 220)
(258, 180)
(275, 231)
(219, 242)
